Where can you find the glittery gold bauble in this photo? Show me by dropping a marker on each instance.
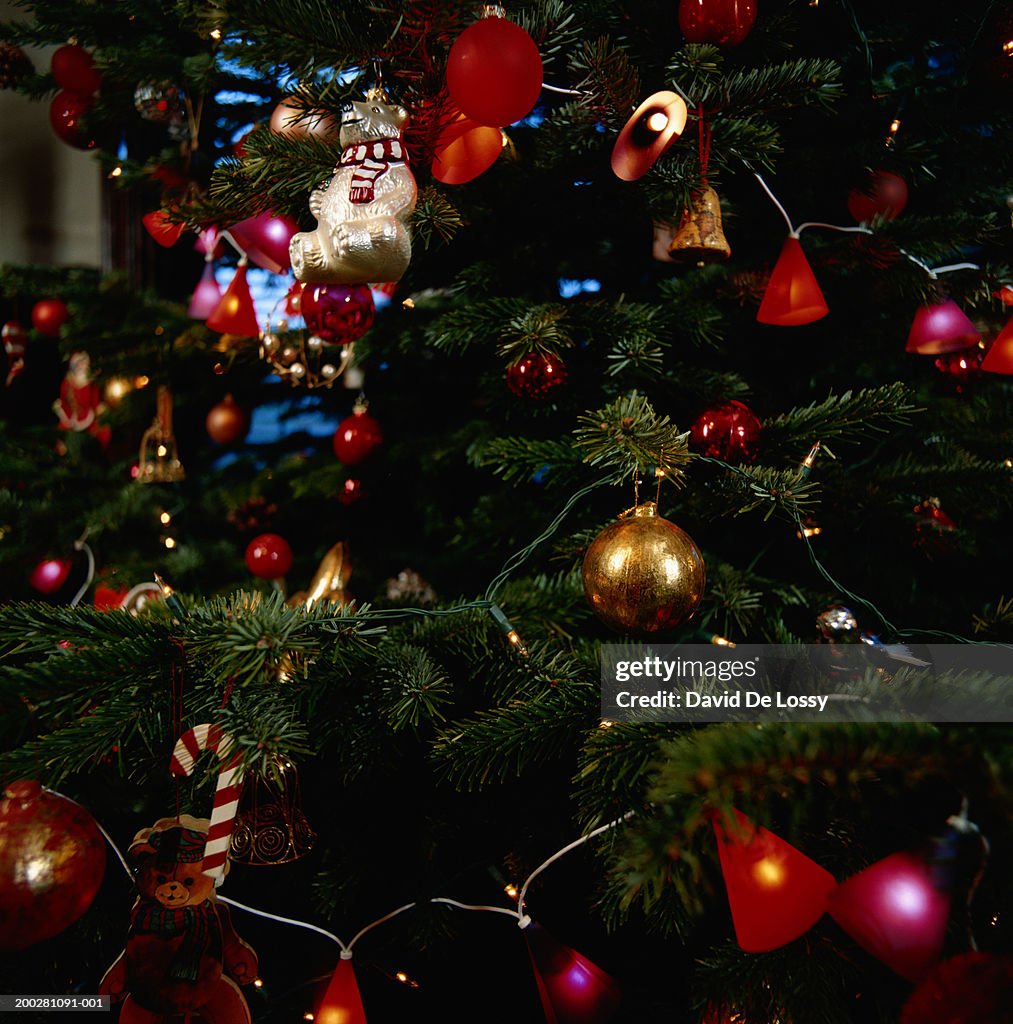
(643, 574)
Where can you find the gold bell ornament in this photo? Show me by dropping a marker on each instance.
(329, 581)
(158, 461)
(700, 238)
(270, 825)
(643, 574)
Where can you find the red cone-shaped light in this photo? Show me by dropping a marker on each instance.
(572, 989)
(207, 296)
(999, 358)
(235, 313)
(941, 327)
(342, 1003)
(895, 911)
(265, 239)
(775, 892)
(463, 155)
(161, 229)
(792, 297)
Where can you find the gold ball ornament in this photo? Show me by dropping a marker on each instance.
(643, 574)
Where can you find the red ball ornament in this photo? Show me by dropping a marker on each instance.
(227, 422)
(730, 431)
(269, 556)
(357, 437)
(883, 194)
(338, 313)
(973, 988)
(494, 72)
(107, 598)
(74, 69)
(52, 857)
(49, 315)
(722, 22)
(65, 113)
(49, 576)
(536, 374)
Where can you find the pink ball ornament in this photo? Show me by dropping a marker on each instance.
(265, 239)
(50, 575)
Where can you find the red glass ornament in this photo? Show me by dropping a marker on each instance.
(961, 367)
(494, 72)
(883, 194)
(108, 599)
(999, 358)
(729, 431)
(74, 70)
(269, 556)
(49, 315)
(973, 988)
(935, 531)
(941, 327)
(236, 313)
(161, 228)
(775, 892)
(207, 296)
(536, 374)
(338, 313)
(572, 989)
(792, 296)
(722, 22)
(467, 154)
(895, 911)
(357, 437)
(293, 299)
(351, 491)
(50, 575)
(227, 422)
(265, 239)
(52, 858)
(341, 1003)
(65, 113)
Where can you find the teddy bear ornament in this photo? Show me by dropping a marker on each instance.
(362, 211)
(183, 958)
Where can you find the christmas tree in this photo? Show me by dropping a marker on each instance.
(548, 264)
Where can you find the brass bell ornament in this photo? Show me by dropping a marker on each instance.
(700, 238)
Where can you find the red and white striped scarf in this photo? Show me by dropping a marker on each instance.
(372, 160)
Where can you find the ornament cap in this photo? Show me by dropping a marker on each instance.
(647, 510)
(23, 790)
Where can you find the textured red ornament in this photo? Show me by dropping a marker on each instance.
(729, 431)
(161, 228)
(935, 531)
(338, 313)
(941, 327)
(48, 576)
(792, 297)
(883, 194)
(236, 313)
(722, 22)
(775, 892)
(895, 911)
(52, 857)
(65, 113)
(351, 491)
(961, 367)
(536, 374)
(227, 422)
(74, 70)
(341, 1003)
(494, 72)
(269, 556)
(973, 988)
(357, 437)
(49, 315)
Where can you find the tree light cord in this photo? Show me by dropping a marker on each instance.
(284, 920)
(860, 228)
(380, 920)
(474, 906)
(80, 545)
(784, 213)
(566, 92)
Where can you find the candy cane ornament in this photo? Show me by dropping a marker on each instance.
(230, 780)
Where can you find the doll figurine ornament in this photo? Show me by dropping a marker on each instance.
(362, 212)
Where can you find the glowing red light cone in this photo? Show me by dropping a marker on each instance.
(792, 297)
(941, 327)
(775, 892)
(235, 313)
(999, 358)
(572, 989)
(161, 229)
(207, 296)
(895, 911)
(342, 1003)
(265, 239)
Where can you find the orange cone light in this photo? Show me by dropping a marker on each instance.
(940, 328)
(342, 1003)
(775, 892)
(792, 297)
(999, 358)
(235, 313)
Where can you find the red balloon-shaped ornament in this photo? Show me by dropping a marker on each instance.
(536, 374)
(721, 22)
(467, 154)
(941, 327)
(494, 72)
(775, 892)
(341, 1003)
(50, 575)
(729, 431)
(227, 422)
(49, 315)
(52, 857)
(265, 239)
(74, 70)
(357, 437)
(338, 313)
(896, 912)
(792, 296)
(269, 556)
(65, 113)
(883, 194)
